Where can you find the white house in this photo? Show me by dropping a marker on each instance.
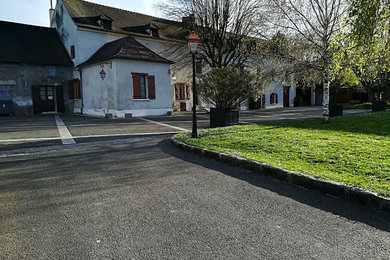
(124, 78)
(114, 74)
(86, 27)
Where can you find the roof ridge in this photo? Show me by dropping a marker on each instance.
(26, 24)
(113, 7)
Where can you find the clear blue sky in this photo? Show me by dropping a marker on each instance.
(36, 12)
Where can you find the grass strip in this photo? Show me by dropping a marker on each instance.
(354, 150)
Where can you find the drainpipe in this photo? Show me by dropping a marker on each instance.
(81, 89)
(51, 12)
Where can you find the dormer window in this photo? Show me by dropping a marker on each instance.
(105, 22)
(152, 30)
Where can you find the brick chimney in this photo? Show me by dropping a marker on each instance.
(190, 20)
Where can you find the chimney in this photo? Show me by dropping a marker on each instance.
(190, 20)
(51, 11)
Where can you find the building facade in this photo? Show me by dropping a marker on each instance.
(34, 70)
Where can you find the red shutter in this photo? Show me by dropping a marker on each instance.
(188, 92)
(136, 86)
(177, 92)
(71, 89)
(151, 88)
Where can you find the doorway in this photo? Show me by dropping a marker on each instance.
(48, 99)
(286, 96)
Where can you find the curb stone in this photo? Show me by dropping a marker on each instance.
(340, 190)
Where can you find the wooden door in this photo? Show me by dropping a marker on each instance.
(286, 96)
(43, 99)
(183, 106)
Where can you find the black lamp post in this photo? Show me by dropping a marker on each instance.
(193, 43)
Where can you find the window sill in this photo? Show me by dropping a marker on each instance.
(141, 99)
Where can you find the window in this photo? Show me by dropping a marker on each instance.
(144, 86)
(274, 98)
(46, 93)
(51, 72)
(182, 92)
(72, 52)
(142, 83)
(106, 24)
(74, 89)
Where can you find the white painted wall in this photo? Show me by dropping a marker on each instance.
(278, 89)
(86, 41)
(89, 42)
(182, 68)
(65, 26)
(114, 94)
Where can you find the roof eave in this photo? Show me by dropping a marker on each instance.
(121, 58)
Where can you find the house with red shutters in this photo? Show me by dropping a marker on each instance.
(125, 63)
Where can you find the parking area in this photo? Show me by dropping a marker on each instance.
(50, 129)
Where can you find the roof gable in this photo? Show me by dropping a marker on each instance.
(127, 49)
(23, 43)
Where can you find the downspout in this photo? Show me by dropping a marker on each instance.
(81, 89)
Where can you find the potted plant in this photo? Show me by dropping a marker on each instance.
(379, 105)
(226, 88)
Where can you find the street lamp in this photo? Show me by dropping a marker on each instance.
(193, 43)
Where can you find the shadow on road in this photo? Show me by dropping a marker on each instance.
(351, 211)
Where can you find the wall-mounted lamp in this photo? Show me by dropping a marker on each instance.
(102, 74)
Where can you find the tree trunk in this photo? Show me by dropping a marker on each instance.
(325, 101)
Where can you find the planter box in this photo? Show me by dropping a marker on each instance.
(335, 110)
(379, 105)
(223, 117)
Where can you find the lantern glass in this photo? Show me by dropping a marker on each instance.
(193, 46)
(193, 42)
(102, 74)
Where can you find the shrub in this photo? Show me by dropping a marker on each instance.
(227, 87)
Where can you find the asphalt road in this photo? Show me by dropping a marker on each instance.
(142, 198)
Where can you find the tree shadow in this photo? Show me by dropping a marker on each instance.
(352, 211)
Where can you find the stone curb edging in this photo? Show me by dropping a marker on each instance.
(350, 193)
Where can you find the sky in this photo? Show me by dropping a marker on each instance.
(36, 12)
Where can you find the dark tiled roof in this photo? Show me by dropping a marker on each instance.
(23, 43)
(127, 49)
(86, 14)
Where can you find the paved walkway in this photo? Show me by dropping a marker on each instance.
(63, 129)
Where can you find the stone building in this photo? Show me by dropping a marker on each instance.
(34, 70)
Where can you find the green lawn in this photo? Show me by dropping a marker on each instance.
(354, 150)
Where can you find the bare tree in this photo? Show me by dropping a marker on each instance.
(224, 27)
(315, 23)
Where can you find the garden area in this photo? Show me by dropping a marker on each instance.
(354, 150)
